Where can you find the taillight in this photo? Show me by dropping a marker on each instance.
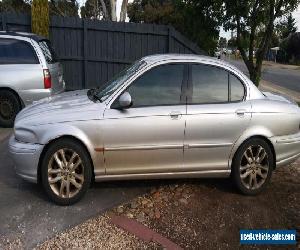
(47, 79)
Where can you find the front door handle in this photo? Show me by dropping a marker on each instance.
(175, 115)
(240, 112)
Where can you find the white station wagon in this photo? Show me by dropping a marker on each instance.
(29, 71)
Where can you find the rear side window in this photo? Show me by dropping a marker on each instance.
(210, 84)
(14, 51)
(214, 85)
(237, 89)
(48, 51)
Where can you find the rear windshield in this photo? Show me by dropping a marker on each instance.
(48, 51)
(13, 51)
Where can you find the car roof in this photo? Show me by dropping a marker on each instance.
(35, 37)
(186, 57)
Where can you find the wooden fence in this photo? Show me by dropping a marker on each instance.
(92, 51)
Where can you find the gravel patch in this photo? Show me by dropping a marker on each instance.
(96, 233)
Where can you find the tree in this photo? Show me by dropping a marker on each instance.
(63, 7)
(113, 14)
(96, 9)
(293, 47)
(290, 46)
(222, 42)
(250, 18)
(40, 17)
(286, 26)
(232, 42)
(123, 12)
(199, 20)
(103, 10)
(15, 6)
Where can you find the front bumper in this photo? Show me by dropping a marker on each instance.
(287, 148)
(26, 158)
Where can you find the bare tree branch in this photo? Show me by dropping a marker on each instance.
(104, 10)
(58, 10)
(123, 12)
(113, 14)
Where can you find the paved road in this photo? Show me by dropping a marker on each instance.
(26, 213)
(287, 78)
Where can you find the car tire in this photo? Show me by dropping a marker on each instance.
(66, 171)
(252, 166)
(9, 107)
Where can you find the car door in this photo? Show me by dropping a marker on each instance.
(217, 114)
(148, 136)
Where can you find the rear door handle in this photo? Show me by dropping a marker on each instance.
(175, 114)
(240, 112)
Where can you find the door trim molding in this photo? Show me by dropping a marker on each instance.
(168, 175)
(208, 145)
(171, 146)
(144, 147)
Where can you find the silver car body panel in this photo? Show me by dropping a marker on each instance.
(158, 142)
(27, 80)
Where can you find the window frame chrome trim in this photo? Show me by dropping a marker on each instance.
(108, 102)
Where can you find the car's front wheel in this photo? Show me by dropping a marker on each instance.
(66, 171)
(252, 166)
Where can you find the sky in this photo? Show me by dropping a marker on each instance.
(296, 15)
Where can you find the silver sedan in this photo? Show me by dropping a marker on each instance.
(165, 116)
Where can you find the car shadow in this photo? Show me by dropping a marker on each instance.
(222, 185)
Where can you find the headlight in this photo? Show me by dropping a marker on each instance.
(25, 135)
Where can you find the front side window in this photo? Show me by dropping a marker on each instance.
(13, 51)
(158, 86)
(118, 80)
(210, 84)
(48, 51)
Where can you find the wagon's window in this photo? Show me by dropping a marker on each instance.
(48, 51)
(210, 84)
(14, 51)
(237, 89)
(158, 86)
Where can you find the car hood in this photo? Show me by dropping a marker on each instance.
(65, 107)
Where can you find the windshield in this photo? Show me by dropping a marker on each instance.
(112, 85)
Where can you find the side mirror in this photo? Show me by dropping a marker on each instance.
(125, 100)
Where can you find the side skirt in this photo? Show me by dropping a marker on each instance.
(174, 175)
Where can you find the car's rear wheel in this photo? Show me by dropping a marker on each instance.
(66, 171)
(9, 108)
(252, 166)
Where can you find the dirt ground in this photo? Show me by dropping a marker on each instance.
(280, 66)
(209, 213)
(200, 214)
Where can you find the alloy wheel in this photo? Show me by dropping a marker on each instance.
(254, 167)
(65, 173)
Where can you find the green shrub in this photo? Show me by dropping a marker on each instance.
(40, 17)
